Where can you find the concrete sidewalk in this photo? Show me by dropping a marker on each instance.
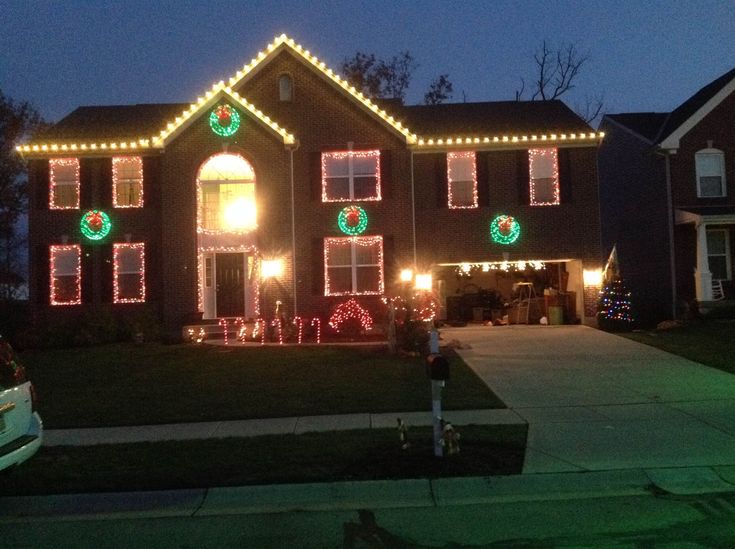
(379, 494)
(270, 426)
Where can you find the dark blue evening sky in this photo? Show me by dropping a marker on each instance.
(643, 55)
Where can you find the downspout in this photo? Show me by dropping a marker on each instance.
(413, 214)
(670, 210)
(293, 233)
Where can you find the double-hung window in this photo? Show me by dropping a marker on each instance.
(129, 273)
(350, 175)
(718, 254)
(63, 183)
(710, 168)
(353, 265)
(65, 268)
(543, 167)
(127, 182)
(462, 180)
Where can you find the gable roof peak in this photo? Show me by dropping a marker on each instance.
(687, 115)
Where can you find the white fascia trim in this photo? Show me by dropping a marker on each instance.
(682, 216)
(672, 141)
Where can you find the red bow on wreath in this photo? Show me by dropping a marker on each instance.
(224, 115)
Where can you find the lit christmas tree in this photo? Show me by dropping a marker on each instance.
(614, 311)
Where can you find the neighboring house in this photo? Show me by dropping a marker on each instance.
(285, 184)
(665, 200)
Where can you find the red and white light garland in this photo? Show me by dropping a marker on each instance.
(54, 165)
(538, 166)
(121, 168)
(347, 310)
(54, 252)
(365, 241)
(117, 249)
(452, 169)
(350, 156)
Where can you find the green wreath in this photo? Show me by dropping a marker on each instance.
(224, 120)
(352, 220)
(504, 229)
(95, 224)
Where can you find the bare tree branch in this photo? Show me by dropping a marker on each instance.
(556, 74)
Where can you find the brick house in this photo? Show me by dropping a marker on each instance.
(285, 184)
(665, 202)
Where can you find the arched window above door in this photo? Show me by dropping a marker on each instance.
(226, 195)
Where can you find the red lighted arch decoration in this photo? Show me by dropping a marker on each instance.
(347, 310)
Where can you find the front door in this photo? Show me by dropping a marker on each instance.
(230, 284)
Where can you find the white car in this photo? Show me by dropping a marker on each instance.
(21, 428)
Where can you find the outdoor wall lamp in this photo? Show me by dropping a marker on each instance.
(271, 268)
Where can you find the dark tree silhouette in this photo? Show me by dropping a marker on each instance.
(390, 78)
(440, 90)
(556, 74)
(17, 122)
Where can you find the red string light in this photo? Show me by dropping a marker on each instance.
(278, 323)
(350, 175)
(56, 165)
(117, 250)
(223, 323)
(538, 161)
(300, 324)
(347, 310)
(317, 321)
(55, 251)
(127, 169)
(453, 162)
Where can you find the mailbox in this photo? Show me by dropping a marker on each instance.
(437, 367)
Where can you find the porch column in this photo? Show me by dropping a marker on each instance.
(702, 274)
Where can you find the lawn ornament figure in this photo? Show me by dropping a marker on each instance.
(403, 434)
(450, 439)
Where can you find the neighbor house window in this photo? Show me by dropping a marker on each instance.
(127, 181)
(63, 183)
(543, 167)
(65, 269)
(353, 265)
(128, 262)
(285, 88)
(350, 175)
(718, 254)
(710, 167)
(462, 180)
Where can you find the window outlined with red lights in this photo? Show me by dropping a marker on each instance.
(350, 176)
(128, 273)
(543, 169)
(65, 274)
(461, 180)
(63, 183)
(353, 265)
(127, 181)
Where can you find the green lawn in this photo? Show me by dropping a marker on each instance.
(127, 384)
(709, 342)
(311, 457)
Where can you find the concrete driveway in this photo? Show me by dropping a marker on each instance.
(596, 401)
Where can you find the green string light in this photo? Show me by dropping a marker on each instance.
(352, 220)
(95, 225)
(504, 229)
(224, 121)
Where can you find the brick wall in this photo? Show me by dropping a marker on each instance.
(323, 119)
(634, 212)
